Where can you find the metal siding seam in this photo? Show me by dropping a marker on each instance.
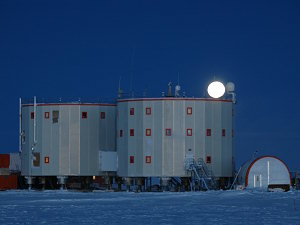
(69, 169)
(163, 140)
(173, 152)
(79, 158)
(194, 128)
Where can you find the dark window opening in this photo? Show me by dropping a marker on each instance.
(168, 132)
(208, 132)
(36, 159)
(121, 133)
(223, 132)
(131, 159)
(102, 115)
(208, 159)
(131, 111)
(148, 111)
(131, 132)
(84, 115)
(32, 115)
(55, 116)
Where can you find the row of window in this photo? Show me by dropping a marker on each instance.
(189, 132)
(148, 159)
(189, 111)
(83, 115)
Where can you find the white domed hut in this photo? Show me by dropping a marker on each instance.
(266, 172)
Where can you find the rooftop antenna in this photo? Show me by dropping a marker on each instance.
(131, 71)
(170, 89)
(120, 91)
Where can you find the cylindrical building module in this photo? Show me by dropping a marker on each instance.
(64, 139)
(157, 135)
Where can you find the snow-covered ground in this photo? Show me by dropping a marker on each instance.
(213, 207)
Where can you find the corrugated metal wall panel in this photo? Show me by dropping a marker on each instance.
(168, 152)
(72, 144)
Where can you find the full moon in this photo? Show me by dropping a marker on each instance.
(216, 89)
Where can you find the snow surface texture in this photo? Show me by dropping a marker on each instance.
(212, 207)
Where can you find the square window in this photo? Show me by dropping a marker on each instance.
(168, 132)
(131, 132)
(208, 132)
(148, 111)
(131, 111)
(208, 159)
(102, 115)
(148, 159)
(131, 159)
(84, 115)
(46, 159)
(32, 115)
(189, 132)
(189, 111)
(121, 133)
(148, 132)
(47, 114)
(223, 132)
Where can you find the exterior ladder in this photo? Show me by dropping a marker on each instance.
(200, 173)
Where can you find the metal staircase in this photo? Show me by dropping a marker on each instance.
(202, 177)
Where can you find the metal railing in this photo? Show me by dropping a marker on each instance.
(200, 174)
(75, 100)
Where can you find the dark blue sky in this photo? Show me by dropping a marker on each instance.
(71, 49)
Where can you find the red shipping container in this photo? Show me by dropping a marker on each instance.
(4, 160)
(8, 182)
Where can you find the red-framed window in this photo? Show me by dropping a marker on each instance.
(148, 159)
(189, 132)
(131, 132)
(32, 115)
(168, 132)
(131, 159)
(121, 133)
(208, 159)
(131, 111)
(148, 132)
(47, 160)
(208, 132)
(102, 115)
(84, 115)
(223, 132)
(148, 111)
(47, 115)
(189, 110)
